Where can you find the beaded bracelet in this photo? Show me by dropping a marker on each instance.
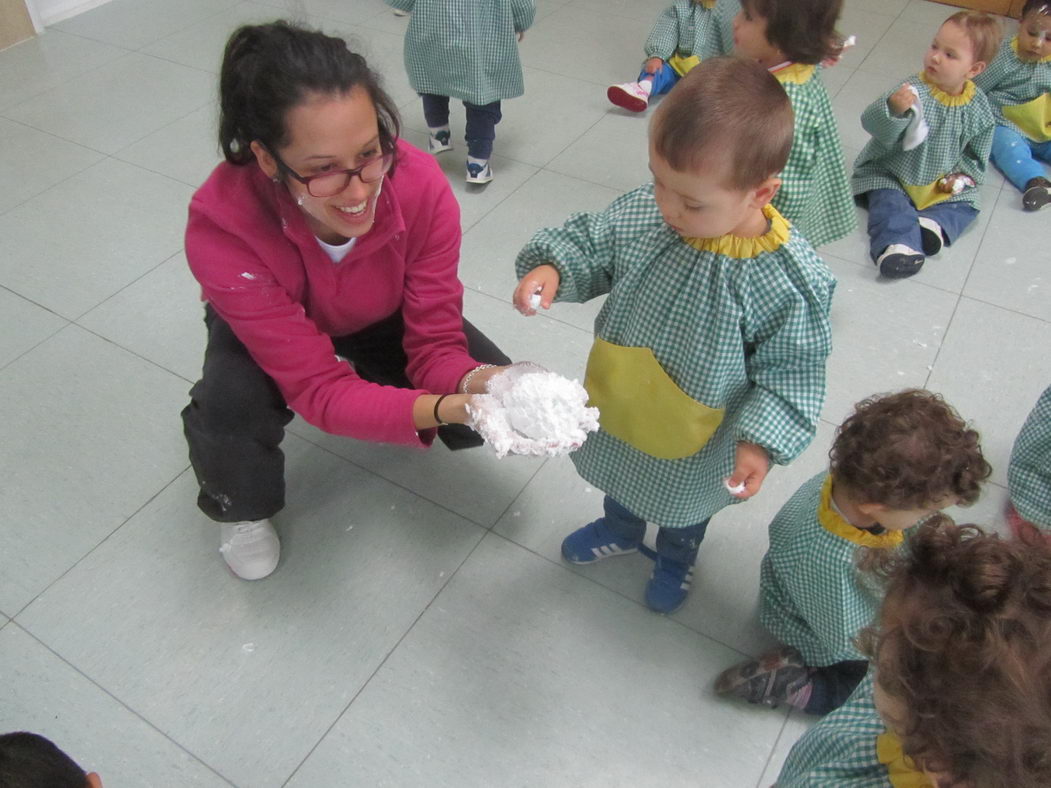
(467, 378)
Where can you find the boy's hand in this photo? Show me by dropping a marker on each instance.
(543, 281)
(901, 99)
(751, 464)
(652, 65)
(520, 34)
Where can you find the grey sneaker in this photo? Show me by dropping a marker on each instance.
(250, 548)
(768, 681)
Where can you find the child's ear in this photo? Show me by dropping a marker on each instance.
(977, 68)
(766, 190)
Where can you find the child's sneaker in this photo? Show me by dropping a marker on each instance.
(594, 542)
(629, 95)
(479, 171)
(931, 236)
(669, 585)
(1037, 194)
(771, 680)
(439, 141)
(899, 261)
(250, 548)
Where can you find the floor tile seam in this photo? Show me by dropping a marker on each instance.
(42, 341)
(164, 59)
(577, 573)
(497, 204)
(981, 241)
(941, 345)
(102, 541)
(166, 258)
(4, 367)
(128, 350)
(383, 662)
(413, 126)
(546, 315)
(124, 705)
(995, 305)
(888, 283)
(117, 154)
(197, 21)
(773, 749)
(897, 17)
(547, 167)
(56, 136)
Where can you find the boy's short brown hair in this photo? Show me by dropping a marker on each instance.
(729, 109)
(908, 450)
(805, 30)
(984, 32)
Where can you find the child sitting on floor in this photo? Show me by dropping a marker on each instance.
(919, 174)
(682, 37)
(896, 459)
(709, 359)
(1018, 84)
(959, 693)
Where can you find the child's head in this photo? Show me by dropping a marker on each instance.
(717, 142)
(28, 760)
(775, 31)
(1034, 31)
(900, 457)
(963, 46)
(963, 656)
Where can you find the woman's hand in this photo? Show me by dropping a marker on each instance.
(901, 99)
(751, 464)
(543, 281)
(653, 65)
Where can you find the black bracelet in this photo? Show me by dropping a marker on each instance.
(438, 418)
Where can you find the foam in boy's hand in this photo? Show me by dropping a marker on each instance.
(534, 301)
(734, 489)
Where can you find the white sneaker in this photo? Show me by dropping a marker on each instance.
(250, 548)
(479, 171)
(931, 236)
(630, 95)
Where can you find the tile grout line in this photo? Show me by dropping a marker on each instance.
(773, 749)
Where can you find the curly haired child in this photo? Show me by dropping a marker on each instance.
(960, 689)
(1029, 474)
(709, 357)
(1018, 83)
(790, 38)
(897, 459)
(919, 174)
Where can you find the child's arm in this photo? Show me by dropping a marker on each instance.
(663, 39)
(885, 117)
(522, 11)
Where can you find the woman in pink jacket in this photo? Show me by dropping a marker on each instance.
(326, 250)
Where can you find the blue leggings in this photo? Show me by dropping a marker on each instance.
(663, 81)
(893, 219)
(1016, 156)
(674, 544)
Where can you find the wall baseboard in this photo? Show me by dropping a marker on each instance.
(51, 11)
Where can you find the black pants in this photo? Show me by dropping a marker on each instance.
(236, 418)
(833, 684)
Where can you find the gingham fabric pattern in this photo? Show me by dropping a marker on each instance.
(466, 49)
(811, 595)
(1010, 81)
(815, 191)
(686, 27)
(960, 139)
(747, 335)
(1029, 471)
(840, 751)
(725, 11)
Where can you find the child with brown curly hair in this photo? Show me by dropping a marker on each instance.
(896, 460)
(1029, 474)
(960, 691)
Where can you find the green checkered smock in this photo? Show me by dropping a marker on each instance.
(743, 328)
(841, 750)
(960, 138)
(1010, 81)
(725, 11)
(815, 191)
(466, 49)
(687, 28)
(811, 596)
(1029, 471)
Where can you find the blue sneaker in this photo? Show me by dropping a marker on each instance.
(594, 542)
(479, 172)
(439, 141)
(669, 585)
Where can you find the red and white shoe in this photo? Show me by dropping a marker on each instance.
(629, 95)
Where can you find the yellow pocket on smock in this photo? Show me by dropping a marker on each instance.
(1033, 117)
(640, 404)
(926, 196)
(682, 65)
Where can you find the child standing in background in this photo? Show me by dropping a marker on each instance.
(1029, 474)
(919, 174)
(958, 693)
(682, 37)
(468, 50)
(709, 357)
(790, 38)
(1018, 84)
(895, 460)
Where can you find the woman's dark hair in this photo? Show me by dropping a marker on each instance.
(28, 760)
(269, 69)
(964, 644)
(805, 30)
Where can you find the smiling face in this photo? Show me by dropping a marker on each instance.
(949, 61)
(1034, 37)
(325, 133)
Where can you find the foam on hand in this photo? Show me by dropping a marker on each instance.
(534, 301)
(528, 410)
(734, 489)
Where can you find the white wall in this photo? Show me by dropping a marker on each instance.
(47, 12)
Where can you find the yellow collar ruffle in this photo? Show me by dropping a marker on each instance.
(901, 769)
(1014, 47)
(747, 248)
(709, 4)
(942, 97)
(835, 523)
(796, 73)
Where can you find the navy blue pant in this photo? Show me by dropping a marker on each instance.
(833, 684)
(893, 219)
(481, 122)
(673, 544)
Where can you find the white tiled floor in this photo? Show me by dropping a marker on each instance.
(421, 629)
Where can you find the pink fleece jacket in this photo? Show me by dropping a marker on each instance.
(262, 270)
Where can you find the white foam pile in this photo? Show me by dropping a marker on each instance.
(528, 410)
